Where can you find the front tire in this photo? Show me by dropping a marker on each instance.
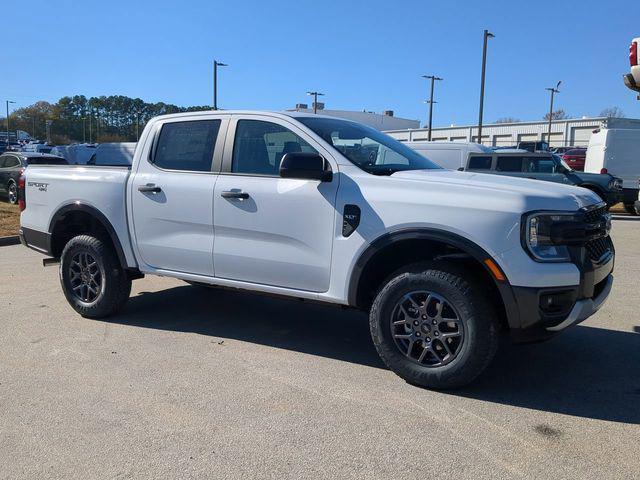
(92, 279)
(432, 326)
(631, 209)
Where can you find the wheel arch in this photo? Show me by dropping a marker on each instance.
(405, 246)
(64, 223)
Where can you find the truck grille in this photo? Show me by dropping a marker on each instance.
(595, 215)
(599, 247)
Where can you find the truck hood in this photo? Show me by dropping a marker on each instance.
(531, 194)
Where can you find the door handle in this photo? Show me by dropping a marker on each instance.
(235, 194)
(149, 188)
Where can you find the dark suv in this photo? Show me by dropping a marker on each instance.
(547, 167)
(13, 164)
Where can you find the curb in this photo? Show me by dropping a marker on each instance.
(12, 240)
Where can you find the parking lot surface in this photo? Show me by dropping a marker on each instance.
(190, 382)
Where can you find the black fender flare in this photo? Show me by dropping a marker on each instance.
(464, 244)
(99, 216)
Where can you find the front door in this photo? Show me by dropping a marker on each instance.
(172, 195)
(271, 230)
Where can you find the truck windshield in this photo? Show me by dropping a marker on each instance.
(369, 149)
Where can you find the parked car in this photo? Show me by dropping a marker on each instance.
(617, 150)
(37, 147)
(547, 167)
(539, 146)
(574, 158)
(325, 209)
(113, 154)
(632, 79)
(13, 165)
(451, 155)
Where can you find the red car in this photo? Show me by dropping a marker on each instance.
(575, 158)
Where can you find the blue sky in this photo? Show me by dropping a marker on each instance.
(362, 54)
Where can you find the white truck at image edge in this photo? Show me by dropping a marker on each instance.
(314, 207)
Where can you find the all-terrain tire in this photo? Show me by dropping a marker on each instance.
(465, 294)
(115, 285)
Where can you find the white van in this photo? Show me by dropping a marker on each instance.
(617, 151)
(451, 155)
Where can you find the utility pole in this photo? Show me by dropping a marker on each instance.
(315, 100)
(216, 64)
(487, 36)
(8, 102)
(553, 92)
(84, 132)
(433, 79)
(90, 136)
(137, 126)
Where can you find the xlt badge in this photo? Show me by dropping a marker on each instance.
(350, 219)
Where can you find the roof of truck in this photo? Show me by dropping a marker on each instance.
(292, 114)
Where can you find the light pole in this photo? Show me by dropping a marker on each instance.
(433, 79)
(315, 94)
(216, 64)
(137, 126)
(553, 92)
(84, 131)
(487, 36)
(8, 102)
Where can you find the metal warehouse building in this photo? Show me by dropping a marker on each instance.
(563, 132)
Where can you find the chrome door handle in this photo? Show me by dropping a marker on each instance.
(235, 194)
(149, 188)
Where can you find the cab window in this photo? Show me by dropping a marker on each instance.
(187, 145)
(509, 164)
(480, 162)
(259, 147)
(539, 165)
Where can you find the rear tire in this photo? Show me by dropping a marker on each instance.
(430, 297)
(92, 279)
(12, 192)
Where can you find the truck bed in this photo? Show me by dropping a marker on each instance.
(48, 188)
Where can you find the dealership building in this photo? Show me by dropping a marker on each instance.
(575, 131)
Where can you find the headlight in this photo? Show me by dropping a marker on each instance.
(543, 238)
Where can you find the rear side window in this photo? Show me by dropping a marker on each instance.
(187, 145)
(10, 161)
(509, 164)
(480, 163)
(259, 147)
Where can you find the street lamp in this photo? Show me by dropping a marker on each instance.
(487, 36)
(433, 79)
(315, 94)
(553, 92)
(8, 102)
(216, 64)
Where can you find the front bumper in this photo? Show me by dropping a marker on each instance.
(544, 312)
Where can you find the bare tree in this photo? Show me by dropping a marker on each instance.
(508, 120)
(612, 112)
(556, 115)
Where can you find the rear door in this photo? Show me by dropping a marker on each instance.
(172, 194)
(4, 174)
(275, 231)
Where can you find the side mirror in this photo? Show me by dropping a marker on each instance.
(305, 166)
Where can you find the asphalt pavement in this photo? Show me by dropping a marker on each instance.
(190, 382)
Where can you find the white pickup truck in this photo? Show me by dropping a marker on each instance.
(318, 208)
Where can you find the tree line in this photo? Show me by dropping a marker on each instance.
(114, 118)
